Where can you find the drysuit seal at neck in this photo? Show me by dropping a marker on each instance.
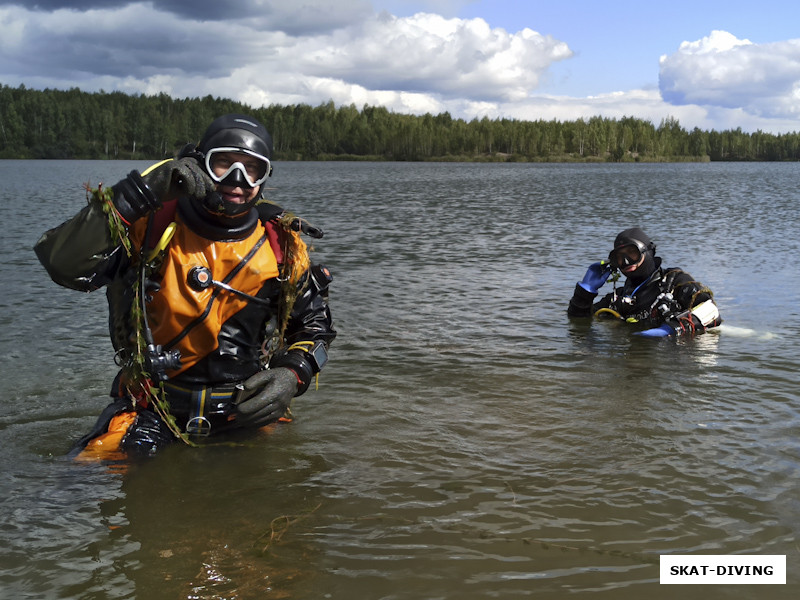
(213, 227)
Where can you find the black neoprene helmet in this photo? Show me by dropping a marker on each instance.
(635, 236)
(235, 133)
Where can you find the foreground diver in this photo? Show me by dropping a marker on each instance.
(216, 313)
(666, 301)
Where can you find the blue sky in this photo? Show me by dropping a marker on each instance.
(618, 43)
(714, 65)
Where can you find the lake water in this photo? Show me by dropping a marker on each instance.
(467, 439)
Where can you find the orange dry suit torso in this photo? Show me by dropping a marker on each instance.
(212, 300)
(219, 327)
(228, 296)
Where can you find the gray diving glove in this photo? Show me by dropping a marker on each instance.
(267, 396)
(138, 195)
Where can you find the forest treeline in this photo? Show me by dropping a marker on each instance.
(76, 124)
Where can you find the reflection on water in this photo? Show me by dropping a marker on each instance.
(467, 439)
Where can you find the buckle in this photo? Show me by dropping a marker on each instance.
(199, 426)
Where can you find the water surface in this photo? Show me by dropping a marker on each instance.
(467, 439)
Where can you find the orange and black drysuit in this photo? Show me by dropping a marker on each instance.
(214, 294)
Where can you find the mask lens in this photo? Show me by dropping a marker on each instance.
(625, 256)
(222, 162)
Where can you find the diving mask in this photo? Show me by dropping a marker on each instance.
(627, 254)
(237, 167)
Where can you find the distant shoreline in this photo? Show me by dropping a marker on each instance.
(56, 124)
(450, 159)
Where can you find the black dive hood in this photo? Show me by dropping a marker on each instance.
(635, 236)
(236, 132)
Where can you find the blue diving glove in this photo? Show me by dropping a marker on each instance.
(661, 331)
(597, 274)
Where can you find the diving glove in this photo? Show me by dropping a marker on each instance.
(596, 275)
(267, 396)
(661, 331)
(138, 195)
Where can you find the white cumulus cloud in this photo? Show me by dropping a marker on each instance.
(427, 53)
(723, 71)
(264, 52)
(419, 61)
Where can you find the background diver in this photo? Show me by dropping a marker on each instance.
(665, 301)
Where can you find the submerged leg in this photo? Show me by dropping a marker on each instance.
(124, 432)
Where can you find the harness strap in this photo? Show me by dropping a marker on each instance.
(206, 406)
